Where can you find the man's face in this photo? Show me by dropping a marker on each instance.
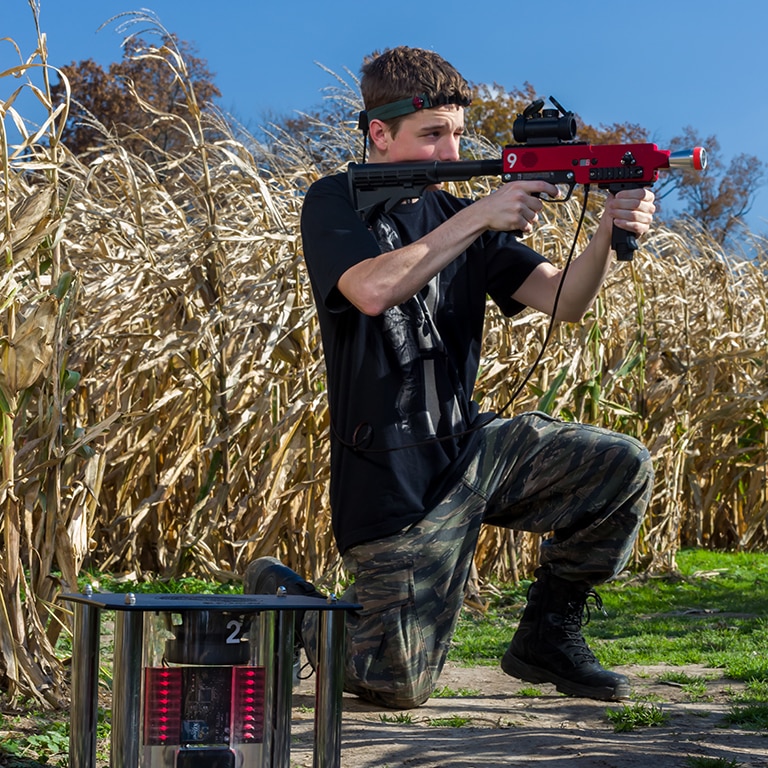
(427, 135)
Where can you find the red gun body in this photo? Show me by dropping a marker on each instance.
(603, 164)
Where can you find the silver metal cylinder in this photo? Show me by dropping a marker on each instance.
(126, 690)
(329, 689)
(83, 715)
(281, 745)
(689, 158)
(265, 654)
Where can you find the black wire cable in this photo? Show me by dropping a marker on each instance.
(551, 326)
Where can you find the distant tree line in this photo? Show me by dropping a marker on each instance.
(130, 97)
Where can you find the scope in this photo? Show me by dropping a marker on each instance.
(544, 126)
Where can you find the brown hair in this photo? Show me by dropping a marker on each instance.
(403, 73)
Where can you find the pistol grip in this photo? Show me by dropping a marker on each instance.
(624, 243)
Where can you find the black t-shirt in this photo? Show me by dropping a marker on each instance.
(399, 380)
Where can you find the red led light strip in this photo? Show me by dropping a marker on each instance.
(248, 705)
(162, 706)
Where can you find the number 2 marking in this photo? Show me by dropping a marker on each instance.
(234, 636)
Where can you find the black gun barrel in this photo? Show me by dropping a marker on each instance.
(373, 184)
(418, 175)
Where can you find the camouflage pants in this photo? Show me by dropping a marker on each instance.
(586, 487)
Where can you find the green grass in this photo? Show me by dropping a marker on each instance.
(447, 692)
(401, 718)
(453, 721)
(751, 716)
(51, 746)
(631, 716)
(48, 744)
(755, 690)
(694, 686)
(105, 582)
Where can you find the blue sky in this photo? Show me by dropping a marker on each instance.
(664, 65)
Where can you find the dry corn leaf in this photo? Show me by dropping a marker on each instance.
(29, 352)
(31, 221)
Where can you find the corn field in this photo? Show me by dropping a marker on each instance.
(162, 380)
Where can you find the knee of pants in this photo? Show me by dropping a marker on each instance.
(396, 690)
(644, 472)
(630, 475)
(392, 699)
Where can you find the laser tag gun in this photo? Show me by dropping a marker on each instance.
(545, 151)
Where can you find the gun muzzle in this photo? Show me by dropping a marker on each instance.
(695, 158)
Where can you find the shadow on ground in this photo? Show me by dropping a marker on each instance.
(503, 727)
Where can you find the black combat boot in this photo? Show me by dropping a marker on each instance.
(264, 576)
(548, 646)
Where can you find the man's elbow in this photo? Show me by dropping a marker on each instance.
(368, 296)
(371, 310)
(369, 302)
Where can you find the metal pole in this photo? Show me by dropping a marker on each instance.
(281, 754)
(126, 692)
(329, 688)
(84, 704)
(265, 657)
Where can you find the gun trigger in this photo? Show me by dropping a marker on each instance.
(559, 199)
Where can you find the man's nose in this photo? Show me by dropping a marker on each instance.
(449, 150)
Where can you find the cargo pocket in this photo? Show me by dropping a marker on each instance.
(387, 656)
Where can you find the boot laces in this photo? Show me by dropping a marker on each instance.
(576, 616)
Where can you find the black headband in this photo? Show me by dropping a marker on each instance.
(405, 107)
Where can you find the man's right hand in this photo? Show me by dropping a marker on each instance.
(514, 207)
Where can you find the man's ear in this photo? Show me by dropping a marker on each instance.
(379, 135)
